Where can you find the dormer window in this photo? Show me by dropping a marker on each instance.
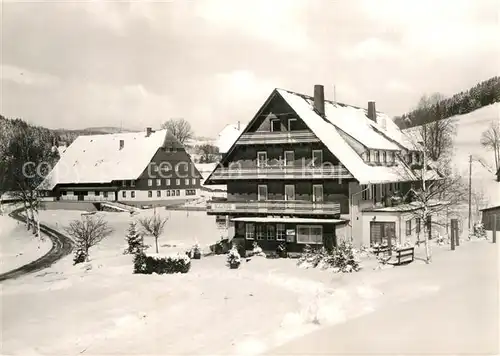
(292, 124)
(377, 156)
(275, 125)
(384, 157)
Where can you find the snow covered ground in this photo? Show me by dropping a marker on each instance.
(19, 246)
(102, 308)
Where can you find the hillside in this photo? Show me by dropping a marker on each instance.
(469, 128)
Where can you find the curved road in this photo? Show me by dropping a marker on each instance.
(61, 246)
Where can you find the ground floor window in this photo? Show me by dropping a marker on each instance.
(177, 192)
(96, 193)
(280, 232)
(105, 194)
(408, 227)
(271, 233)
(261, 232)
(158, 193)
(310, 234)
(382, 233)
(124, 194)
(249, 231)
(190, 192)
(132, 194)
(150, 194)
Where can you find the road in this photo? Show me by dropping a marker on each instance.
(61, 246)
(461, 318)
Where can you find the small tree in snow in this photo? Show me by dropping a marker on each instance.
(87, 232)
(134, 240)
(153, 225)
(490, 139)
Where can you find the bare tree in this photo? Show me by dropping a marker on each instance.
(87, 232)
(208, 153)
(179, 128)
(491, 140)
(153, 225)
(436, 132)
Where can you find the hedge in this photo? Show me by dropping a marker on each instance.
(161, 264)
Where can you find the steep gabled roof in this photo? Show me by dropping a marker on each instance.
(342, 121)
(99, 159)
(228, 136)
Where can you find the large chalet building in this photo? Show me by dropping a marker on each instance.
(138, 168)
(306, 169)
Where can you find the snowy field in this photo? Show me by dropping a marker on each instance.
(467, 142)
(102, 308)
(19, 246)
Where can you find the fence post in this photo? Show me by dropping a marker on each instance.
(457, 235)
(453, 233)
(494, 228)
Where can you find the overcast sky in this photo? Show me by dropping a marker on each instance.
(77, 64)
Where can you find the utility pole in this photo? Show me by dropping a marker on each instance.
(470, 190)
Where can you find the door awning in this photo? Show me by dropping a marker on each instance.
(290, 220)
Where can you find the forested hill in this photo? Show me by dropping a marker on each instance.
(483, 94)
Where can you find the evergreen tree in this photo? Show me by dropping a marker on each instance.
(134, 240)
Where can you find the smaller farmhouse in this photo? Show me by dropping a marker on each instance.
(137, 168)
(228, 136)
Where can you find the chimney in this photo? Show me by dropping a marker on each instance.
(372, 113)
(122, 144)
(319, 99)
(148, 131)
(238, 126)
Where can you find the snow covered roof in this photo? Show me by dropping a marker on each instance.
(228, 136)
(99, 159)
(383, 135)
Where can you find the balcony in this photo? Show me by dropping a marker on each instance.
(282, 172)
(277, 137)
(294, 207)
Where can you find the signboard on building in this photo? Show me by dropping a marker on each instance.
(290, 235)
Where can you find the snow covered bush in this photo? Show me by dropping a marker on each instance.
(344, 258)
(478, 231)
(80, 256)
(281, 250)
(195, 252)
(161, 264)
(257, 250)
(233, 258)
(134, 240)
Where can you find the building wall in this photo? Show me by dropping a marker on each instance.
(488, 216)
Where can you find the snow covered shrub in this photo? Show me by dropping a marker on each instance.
(195, 252)
(311, 258)
(161, 264)
(233, 258)
(80, 256)
(344, 258)
(479, 231)
(257, 250)
(281, 250)
(134, 240)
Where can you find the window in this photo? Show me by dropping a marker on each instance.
(124, 194)
(249, 231)
(168, 193)
(186, 181)
(158, 193)
(261, 159)
(132, 183)
(150, 182)
(155, 168)
(158, 182)
(150, 194)
(167, 181)
(177, 192)
(275, 125)
(280, 232)
(365, 195)
(177, 182)
(382, 233)
(310, 234)
(271, 233)
(132, 194)
(105, 194)
(262, 192)
(289, 192)
(292, 124)
(317, 193)
(289, 158)
(317, 158)
(417, 225)
(261, 231)
(408, 227)
(97, 193)
(384, 157)
(193, 181)
(124, 183)
(377, 156)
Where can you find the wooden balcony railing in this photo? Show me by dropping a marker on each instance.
(282, 172)
(266, 137)
(295, 207)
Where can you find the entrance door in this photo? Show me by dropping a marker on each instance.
(382, 233)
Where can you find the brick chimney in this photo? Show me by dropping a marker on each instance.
(148, 131)
(372, 113)
(122, 144)
(319, 99)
